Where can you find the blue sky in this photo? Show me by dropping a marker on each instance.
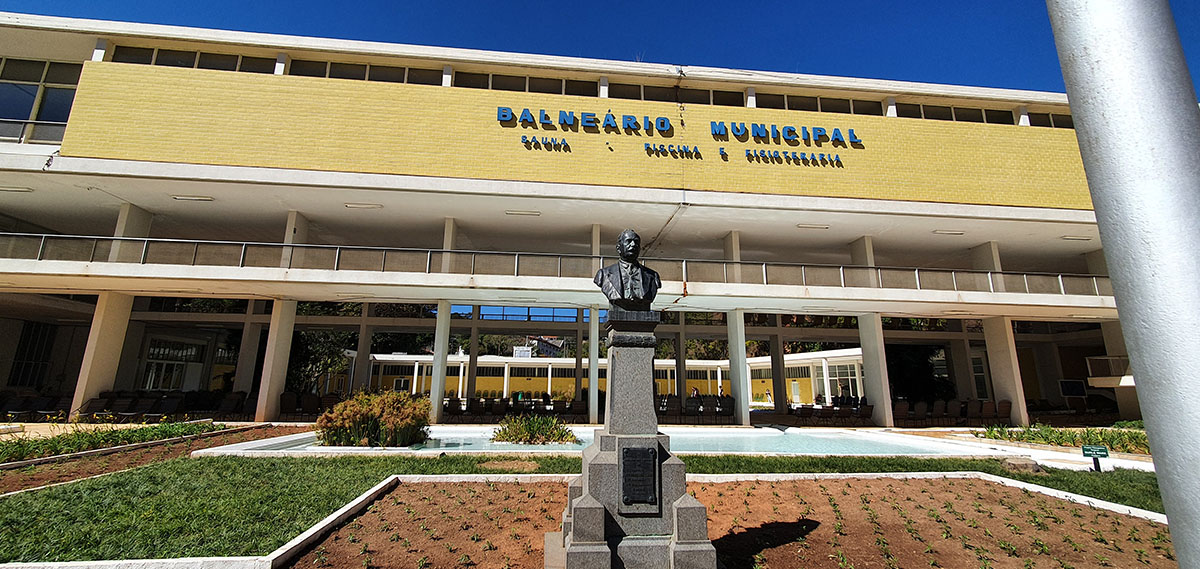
(994, 43)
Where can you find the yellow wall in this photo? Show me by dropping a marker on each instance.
(162, 114)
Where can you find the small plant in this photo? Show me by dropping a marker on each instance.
(488, 546)
(321, 557)
(533, 429)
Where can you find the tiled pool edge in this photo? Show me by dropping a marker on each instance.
(288, 551)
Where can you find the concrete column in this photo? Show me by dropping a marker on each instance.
(447, 76)
(275, 362)
(102, 355)
(596, 263)
(733, 253)
(243, 379)
(603, 92)
(578, 354)
(506, 376)
(828, 387)
(959, 351)
(132, 221)
(100, 50)
(858, 379)
(593, 360)
(986, 257)
(889, 107)
(283, 62)
(751, 98)
(681, 359)
(361, 375)
(462, 378)
(473, 361)
(738, 378)
(449, 236)
(876, 387)
(1002, 363)
(862, 254)
(778, 375)
(441, 348)
(296, 232)
(416, 376)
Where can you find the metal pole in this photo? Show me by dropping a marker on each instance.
(1125, 75)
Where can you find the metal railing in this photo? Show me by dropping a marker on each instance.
(381, 259)
(1108, 366)
(47, 132)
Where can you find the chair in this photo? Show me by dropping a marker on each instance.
(864, 414)
(953, 412)
(329, 401)
(918, 417)
(673, 409)
(1004, 412)
(725, 408)
(166, 407)
(28, 409)
(230, 405)
(476, 408)
(937, 415)
(691, 408)
(842, 415)
(95, 409)
(289, 403)
(310, 404)
(499, 408)
(900, 413)
(987, 413)
(974, 412)
(805, 413)
(825, 415)
(454, 409)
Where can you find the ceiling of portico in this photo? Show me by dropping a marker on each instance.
(414, 217)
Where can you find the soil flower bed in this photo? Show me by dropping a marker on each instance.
(56, 472)
(847, 523)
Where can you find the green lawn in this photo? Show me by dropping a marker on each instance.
(240, 506)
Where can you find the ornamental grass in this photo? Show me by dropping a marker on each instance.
(388, 419)
(78, 438)
(1120, 440)
(533, 430)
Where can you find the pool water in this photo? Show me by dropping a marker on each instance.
(688, 440)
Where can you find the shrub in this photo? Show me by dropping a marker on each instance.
(1138, 424)
(533, 430)
(385, 419)
(1119, 440)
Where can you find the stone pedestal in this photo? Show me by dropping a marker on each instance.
(630, 508)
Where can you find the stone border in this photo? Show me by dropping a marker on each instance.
(10, 428)
(116, 449)
(290, 550)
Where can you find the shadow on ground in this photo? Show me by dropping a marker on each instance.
(738, 549)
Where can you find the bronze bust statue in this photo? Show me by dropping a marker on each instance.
(628, 284)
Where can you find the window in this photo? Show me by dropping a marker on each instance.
(348, 71)
(835, 105)
(126, 54)
(1040, 119)
(31, 361)
(544, 85)
(425, 76)
(968, 115)
(798, 103)
(218, 61)
(36, 91)
(662, 374)
(1062, 121)
(385, 73)
(938, 113)
(582, 88)
(624, 91)
(257, 65)
(730, 98)
(908, 110)
(307, 68)
(868, 108)
(173, 58)
(799, 372)
(471, 80)
(167, 363)
(761, 373)
(508, 83)
(769, 101)
(694, 96)
(994, 116)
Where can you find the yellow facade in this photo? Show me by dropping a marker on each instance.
(196, 116)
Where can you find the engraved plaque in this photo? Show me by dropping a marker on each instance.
(639, 476)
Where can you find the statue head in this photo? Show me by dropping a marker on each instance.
(629, 245)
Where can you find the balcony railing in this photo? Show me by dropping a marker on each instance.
(380, 259)
(1108, 366)
(46, 132)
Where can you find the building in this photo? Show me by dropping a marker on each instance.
(171, 197)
